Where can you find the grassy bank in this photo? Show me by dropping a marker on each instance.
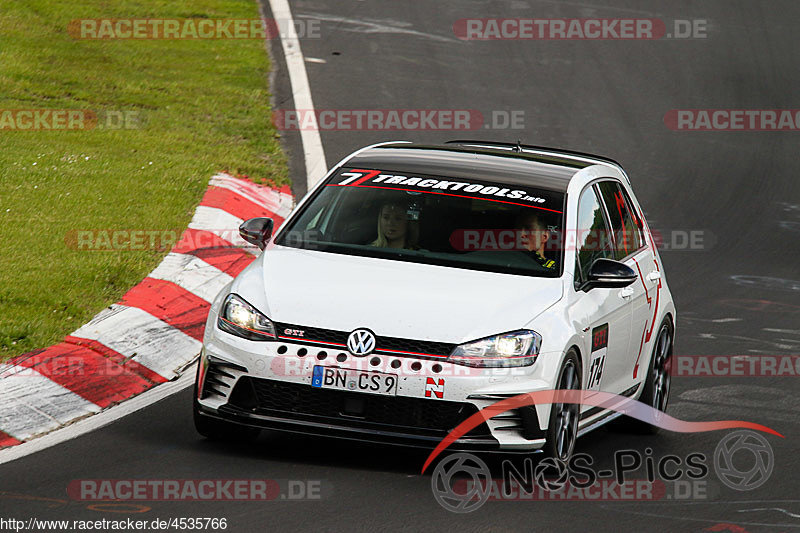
(171, 113)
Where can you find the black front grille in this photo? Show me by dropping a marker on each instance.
(419, 416)
(414, 346)
(383, 344)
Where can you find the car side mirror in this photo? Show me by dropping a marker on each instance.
(609, 274)
(257, 231)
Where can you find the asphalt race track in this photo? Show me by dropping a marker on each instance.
(739, 294)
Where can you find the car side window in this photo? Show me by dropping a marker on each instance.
(593, 238)
(624, 221)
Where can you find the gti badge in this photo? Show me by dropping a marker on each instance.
(361, 342)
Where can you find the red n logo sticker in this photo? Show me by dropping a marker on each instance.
(434, 386)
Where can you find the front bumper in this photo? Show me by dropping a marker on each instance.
(268, 385)
(344, 431)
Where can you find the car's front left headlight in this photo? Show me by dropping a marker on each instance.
(243, 320)
(517, 348)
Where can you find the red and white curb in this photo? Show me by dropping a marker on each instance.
(151, 335)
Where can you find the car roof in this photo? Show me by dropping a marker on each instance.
(499, 162)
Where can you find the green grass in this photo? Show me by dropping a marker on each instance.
(203, 106)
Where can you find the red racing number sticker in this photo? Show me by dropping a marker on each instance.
(599, 350)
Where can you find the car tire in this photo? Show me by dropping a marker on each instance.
(216, 429)
(562, 431)
(656, 384)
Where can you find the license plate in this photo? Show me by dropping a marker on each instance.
(327, 377)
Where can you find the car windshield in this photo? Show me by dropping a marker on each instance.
(478, 225)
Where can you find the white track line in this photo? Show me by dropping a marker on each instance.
(99, 420)
(316, 167)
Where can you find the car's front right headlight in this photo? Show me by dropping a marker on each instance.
(239, 318)
(518, 348)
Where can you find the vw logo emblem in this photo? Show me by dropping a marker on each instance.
(361, 342)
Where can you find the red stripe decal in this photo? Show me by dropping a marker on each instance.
(445, 194)
(310, 340)
(369, 174)
(649, 304)
(118, 358)
(170, 303)
(638, 357)
(410, 353)
(87, 373)
(621, 205)
(658, 288)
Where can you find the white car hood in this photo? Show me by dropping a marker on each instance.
(399, 299)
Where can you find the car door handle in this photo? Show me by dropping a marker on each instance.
(655, 275)
(626, 293)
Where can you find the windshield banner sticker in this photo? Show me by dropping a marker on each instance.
(450, 187)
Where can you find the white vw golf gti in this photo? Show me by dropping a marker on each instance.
(416, 285)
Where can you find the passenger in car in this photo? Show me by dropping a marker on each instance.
(535, 236)
(395, 230)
